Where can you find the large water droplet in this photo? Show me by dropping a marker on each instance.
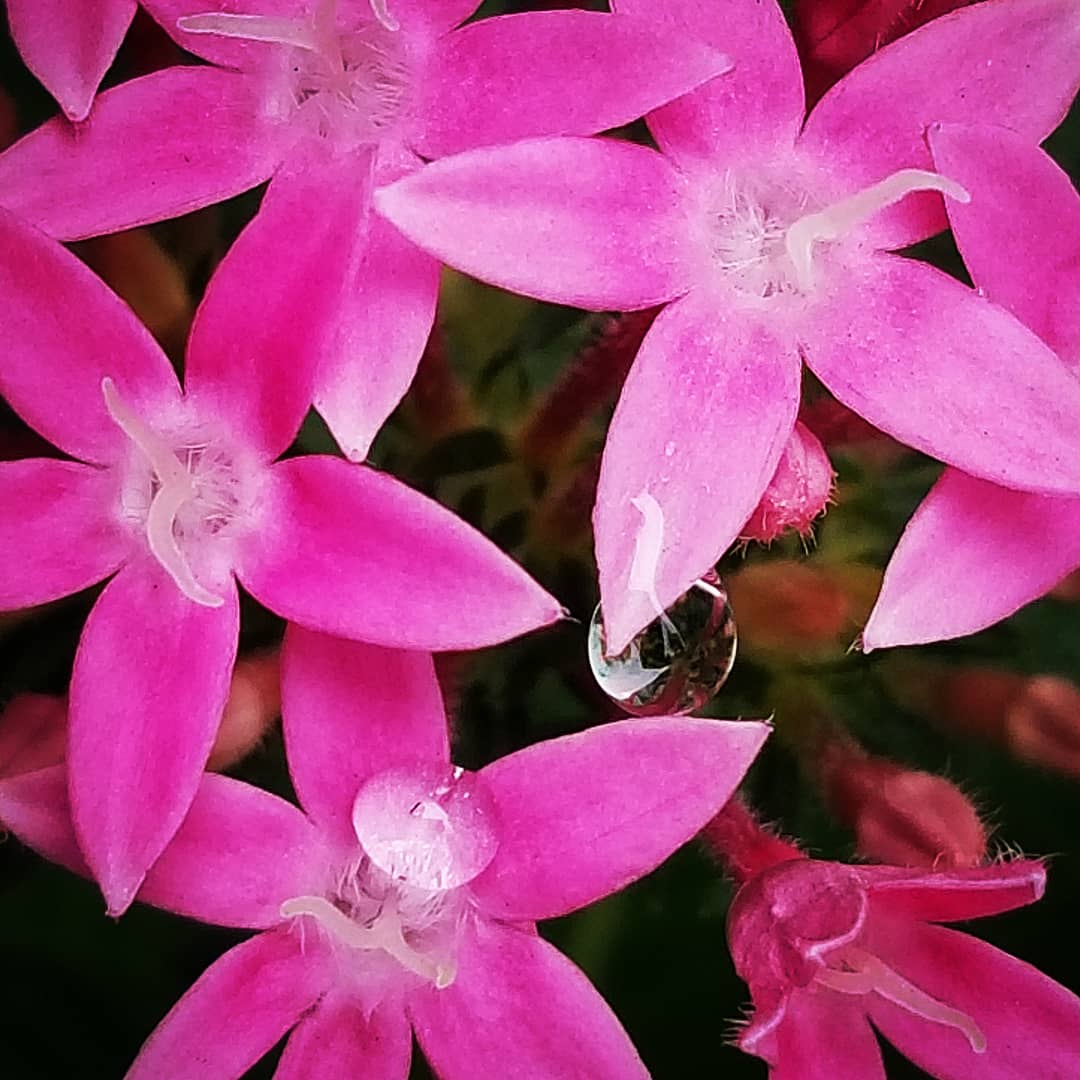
(678, 662)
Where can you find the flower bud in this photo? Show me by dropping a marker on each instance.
(1042, 723)
(33, 733)
(254, 703)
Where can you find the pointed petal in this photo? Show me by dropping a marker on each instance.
(1020, 234)
(993, 63)
(702, 421)
(973, 553)
(757, 107)
(150, 680)
(415, 573)
(64, 331)
(58, 533)
(34, 806)
(584, 815)
(351, 710)
(239, 854)
(522, 76)
(240, 1006)
(200, 134)
(602, 220)
(253, 352)
(1029, 1021)
(67, 49)
(518, 999)
(930, 362)
(380, 329)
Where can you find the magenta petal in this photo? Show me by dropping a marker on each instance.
(972, 554)
(201, 134)
(516, 999)
(65, 331)
(521, 76)
(351, 710)
(601, 220)
(240, 1006)
(822, 1037)
(1029, 1021)
(933, 364)
(239, 854)
(1020, 234)
(68, 48)
(758, 106)
(416, 576)
(584, 815)
(59, 531)
(150, 681)
(34, 806)
(380, 330)
(703, 419)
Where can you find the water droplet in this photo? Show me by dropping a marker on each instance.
(678, 662)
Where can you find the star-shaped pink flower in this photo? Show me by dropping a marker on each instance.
(407, 892)
(772, 241)
(175, 494)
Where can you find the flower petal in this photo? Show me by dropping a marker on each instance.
(589, 222)
(240, 1006)
(972, 554)
(702, 421)
(1020, 234)
(200, 135)
(439, 15)
(411, 574)
(66, 49)
(755, 108)
(522, 76)
(239, 854)
(58, 532)
(584, 815)
(64, 331)
(931, 363)
(150, 681)
(995, 63)
(351, 710)
(518, 999)
(34, 806)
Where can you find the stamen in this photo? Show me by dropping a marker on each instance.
(382, 13)
(834, 221)
(648, 547)
(154, 448)
(277, 31)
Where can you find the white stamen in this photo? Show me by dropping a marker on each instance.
(382, 13)
(296, 32)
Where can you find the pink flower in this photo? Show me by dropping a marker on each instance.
(975, 552)
(408, 892)
(174, 493)
(379, 86)
(770, 238)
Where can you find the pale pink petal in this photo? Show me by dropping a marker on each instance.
(946, 371)
(516, 999)
(1013, 64)
(1020, 234)
(239, 854)
(703, 419)
(339, 1042)
(68, 45)
(150, 681)
(823, 1037)
(154, 148)
(380, 330)
(757, 107)
(1030, 1022)
(358, 554)
(65, 331)
(972, 554)
(351, 710)
(34, 806)
(521, 76)
(239, 1008)
(601, 221)
(257, 336)
(584, 815)
(58, 532)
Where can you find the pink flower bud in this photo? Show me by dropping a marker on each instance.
(1042, 723)
(33, 733)
(253, 705)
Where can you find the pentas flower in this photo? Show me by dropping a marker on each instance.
(176, 494)
(380, 86)
(771, 242)
(975, 552)
(407, 891)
